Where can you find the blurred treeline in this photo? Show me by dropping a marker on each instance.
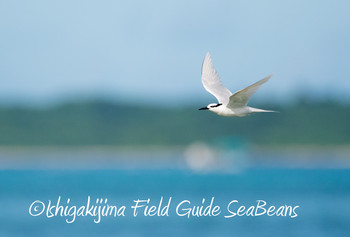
(106, 123)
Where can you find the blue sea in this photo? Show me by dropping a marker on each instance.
(323, 197)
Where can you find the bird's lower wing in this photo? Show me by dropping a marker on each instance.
(212, 83)
(241, 98)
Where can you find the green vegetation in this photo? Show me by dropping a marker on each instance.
(103, 123)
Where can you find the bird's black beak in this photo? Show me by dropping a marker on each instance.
(204, 108)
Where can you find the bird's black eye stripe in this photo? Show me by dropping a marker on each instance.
(216, 105)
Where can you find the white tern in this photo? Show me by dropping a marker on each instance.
(228, 104)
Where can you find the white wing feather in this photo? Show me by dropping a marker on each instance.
(212, 83)
(241, 98)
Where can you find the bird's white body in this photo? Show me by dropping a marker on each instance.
(229, 104)
(238, 112)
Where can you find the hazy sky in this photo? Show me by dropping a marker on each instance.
(153, 50)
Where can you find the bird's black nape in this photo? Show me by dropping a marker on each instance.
(216, 105)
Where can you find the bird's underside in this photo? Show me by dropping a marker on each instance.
(238, 112)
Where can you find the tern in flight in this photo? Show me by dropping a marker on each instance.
(228, 104)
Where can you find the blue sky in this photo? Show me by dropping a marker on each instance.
(153, 50)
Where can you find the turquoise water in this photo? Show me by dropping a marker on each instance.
(323, 197)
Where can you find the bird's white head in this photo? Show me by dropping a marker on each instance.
(211, 106)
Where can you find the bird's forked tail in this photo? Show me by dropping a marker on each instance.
(255, 110)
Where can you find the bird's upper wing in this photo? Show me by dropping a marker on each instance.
(212, 83)
(241, 98)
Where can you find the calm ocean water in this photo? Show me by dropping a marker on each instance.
(323, 196)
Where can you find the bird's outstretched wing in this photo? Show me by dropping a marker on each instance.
(212, 83)
(241, 98)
